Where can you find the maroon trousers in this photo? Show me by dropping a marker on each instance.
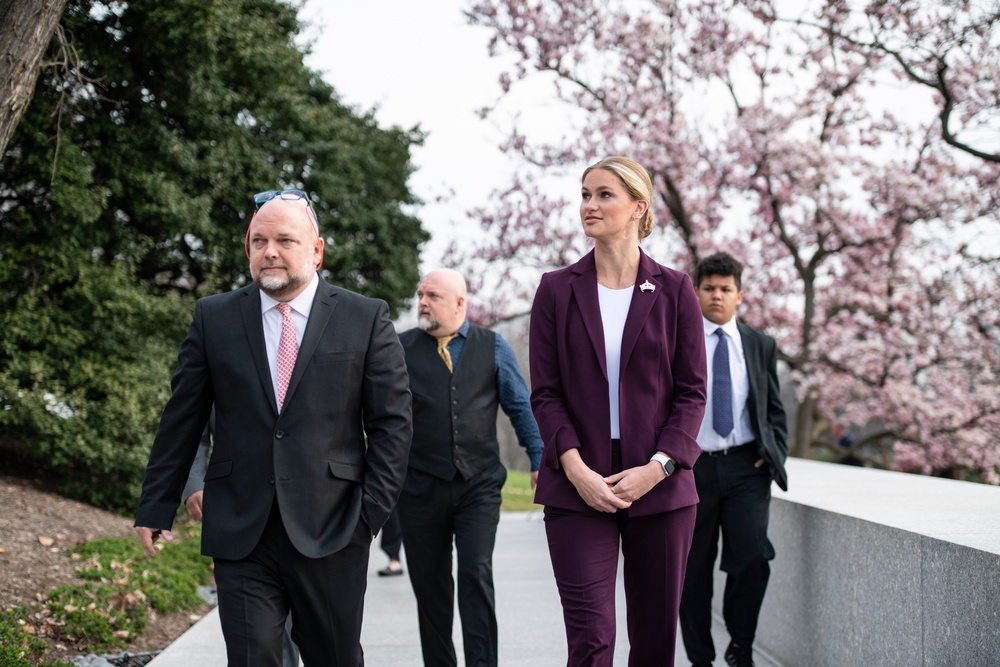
(584, 550)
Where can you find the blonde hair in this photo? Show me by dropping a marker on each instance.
(637, 183)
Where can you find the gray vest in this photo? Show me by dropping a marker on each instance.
(454, 414)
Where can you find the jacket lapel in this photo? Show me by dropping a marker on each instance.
(648, 277)
(253, 324)
(324, 303)
(584, 286)
(750, 349)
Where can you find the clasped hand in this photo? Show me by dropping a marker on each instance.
(632, 484)
(618, 491)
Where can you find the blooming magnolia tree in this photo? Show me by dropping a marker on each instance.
(845, 151)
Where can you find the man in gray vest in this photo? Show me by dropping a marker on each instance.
(459, 373)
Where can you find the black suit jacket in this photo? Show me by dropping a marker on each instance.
(336, 453)
(767, 413)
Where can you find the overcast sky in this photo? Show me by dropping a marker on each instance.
(419, 64)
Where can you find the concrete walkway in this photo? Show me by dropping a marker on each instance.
(528, 613)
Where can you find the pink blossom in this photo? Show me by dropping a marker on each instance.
(766, 134)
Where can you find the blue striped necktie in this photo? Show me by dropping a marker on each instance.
(722, 387)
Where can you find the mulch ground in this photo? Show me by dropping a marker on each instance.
(37, 526)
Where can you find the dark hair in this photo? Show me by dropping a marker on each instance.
(719, 264)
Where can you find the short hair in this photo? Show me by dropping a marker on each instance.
(637, 183)
(719, 264)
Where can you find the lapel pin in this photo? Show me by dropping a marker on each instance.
(647, 287)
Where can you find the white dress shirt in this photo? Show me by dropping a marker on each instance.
(708, 439)
(271, 316)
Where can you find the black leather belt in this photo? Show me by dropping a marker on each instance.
(733, 450)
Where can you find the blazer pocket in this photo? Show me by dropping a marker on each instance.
(348, 471)
(333, 358)
(217, 469)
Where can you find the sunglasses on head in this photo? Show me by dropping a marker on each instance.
(262, 198)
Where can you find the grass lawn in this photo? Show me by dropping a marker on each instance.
(517, 493)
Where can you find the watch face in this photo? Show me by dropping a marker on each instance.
(668, 467)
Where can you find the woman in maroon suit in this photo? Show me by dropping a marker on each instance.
(618, 379)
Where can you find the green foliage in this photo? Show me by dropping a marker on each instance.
(125, 193)
(84, 363)
(518, 496)
(18, 648)
(169, 581)
(180, 113)
(104, 616)
(120, 586)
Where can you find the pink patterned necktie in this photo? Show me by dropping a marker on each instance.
(288, 349)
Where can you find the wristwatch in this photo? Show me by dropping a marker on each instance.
(665, 461)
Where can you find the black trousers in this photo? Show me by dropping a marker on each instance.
(736, 499)
(392, 536)
(434, 514)
(325, 597)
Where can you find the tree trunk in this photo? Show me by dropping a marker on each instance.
(802, 446)
(25, 29)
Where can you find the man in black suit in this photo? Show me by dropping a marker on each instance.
(459, 375)
(743, 441)
(193, 497)
(312, 433)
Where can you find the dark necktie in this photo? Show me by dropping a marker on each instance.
(722, 387)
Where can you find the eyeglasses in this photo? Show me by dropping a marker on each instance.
(262, 198)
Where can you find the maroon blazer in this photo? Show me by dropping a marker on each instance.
(662, 387)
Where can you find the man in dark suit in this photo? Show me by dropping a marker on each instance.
(193, 497)
(459, 374)
(743, 441)
(311, 440)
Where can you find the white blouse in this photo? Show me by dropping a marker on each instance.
(614, 310)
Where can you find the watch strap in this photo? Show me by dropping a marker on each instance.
(665, 462)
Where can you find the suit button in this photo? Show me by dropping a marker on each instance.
(279, 435)
(270, 479)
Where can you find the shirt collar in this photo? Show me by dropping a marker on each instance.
(301, 304)
(729, 327)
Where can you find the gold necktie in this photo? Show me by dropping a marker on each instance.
(443, 349)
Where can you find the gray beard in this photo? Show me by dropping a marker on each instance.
(427, 323)
(276, 287)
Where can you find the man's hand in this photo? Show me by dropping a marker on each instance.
(149, 536)
(193, 505)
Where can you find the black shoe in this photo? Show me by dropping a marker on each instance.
(739, 656)
(390, 572)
